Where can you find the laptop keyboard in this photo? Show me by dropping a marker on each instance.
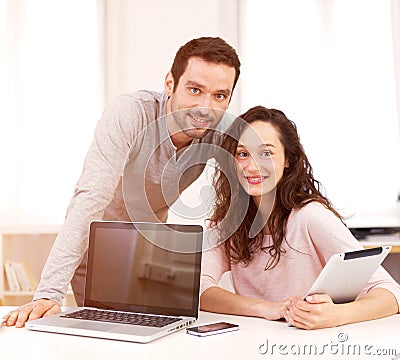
(122, 317)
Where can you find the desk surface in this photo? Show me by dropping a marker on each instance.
(256, 339)
(370, 244)
(376, 240)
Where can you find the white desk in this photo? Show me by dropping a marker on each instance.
(376, 240)
(392, 262)
(250, 342)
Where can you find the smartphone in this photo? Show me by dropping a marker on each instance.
(212, 329)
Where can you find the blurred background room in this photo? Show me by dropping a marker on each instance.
(333, 66)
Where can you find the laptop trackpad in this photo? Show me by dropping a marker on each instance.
(93, 326)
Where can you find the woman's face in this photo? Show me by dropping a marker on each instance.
(260, 158)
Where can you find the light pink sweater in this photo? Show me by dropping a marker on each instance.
(316, 233)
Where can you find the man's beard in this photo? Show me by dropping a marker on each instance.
(183, 118)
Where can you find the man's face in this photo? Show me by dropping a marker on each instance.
(199, 99)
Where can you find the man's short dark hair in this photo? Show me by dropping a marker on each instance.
(210, 49)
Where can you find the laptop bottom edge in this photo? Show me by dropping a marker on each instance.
(105, 330)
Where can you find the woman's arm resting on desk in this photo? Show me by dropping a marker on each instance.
(216, 299)
(320, 312)
(30, 311)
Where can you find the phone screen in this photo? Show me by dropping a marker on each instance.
(211, 329)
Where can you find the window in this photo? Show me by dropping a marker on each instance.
(329, 65)
(49, 60)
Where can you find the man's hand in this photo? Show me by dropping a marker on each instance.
(30, 311)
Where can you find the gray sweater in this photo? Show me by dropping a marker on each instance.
(132, 172)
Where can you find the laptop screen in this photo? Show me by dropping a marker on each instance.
(144, 267)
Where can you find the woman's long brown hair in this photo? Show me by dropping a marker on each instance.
(235, 213)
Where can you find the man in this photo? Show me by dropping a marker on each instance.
(151, 139)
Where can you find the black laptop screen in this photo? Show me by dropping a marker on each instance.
(142, 267)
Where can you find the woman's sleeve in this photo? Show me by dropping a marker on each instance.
(382, 279)
(214, 266)
(330, 236)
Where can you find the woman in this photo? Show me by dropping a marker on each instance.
(280, 230)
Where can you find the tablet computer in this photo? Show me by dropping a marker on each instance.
(345, 274)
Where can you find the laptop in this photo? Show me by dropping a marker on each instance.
(142, 283)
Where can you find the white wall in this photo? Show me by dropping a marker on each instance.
(142, 38)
